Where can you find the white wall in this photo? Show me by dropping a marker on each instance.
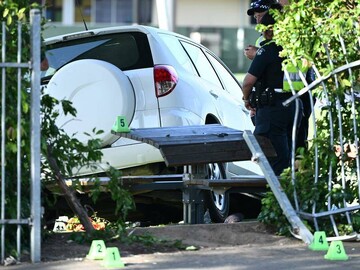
(68, 14)
(212, 13)
(166, 14)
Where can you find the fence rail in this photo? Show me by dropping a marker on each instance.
(339, 109)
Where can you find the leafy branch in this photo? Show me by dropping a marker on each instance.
(325, 33)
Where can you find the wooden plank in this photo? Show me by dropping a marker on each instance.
(143, 179)
(152, 135)
(212, 147)
(228, 182)
(205, 153)
(177, 131)
(159, 142)
(200, 144)
(209, 153)
(197, 139)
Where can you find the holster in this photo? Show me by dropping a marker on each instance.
(267, 97)
(261, 96)
(255, 94)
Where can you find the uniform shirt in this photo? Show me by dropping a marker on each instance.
(259, 40)
(266, 66)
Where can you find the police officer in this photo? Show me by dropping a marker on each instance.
(257, 9)
(273, 120)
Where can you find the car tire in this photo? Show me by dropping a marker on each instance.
(218, 204)
(99, 91)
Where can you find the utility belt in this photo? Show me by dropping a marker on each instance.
(260, 97)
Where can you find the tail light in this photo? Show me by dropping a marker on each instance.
(165, 78)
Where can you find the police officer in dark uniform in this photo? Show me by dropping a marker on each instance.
(257, 9)
(273, 120)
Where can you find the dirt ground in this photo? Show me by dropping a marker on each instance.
(59, 246)
(243, 245)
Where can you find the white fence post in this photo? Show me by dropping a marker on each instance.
(35, 21)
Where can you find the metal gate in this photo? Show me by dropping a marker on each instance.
(31, 68)
(338, 110)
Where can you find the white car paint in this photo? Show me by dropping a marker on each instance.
(193, 100)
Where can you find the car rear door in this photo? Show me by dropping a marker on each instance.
(227, 106)
(232, 91)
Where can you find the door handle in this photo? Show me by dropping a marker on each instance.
(213, 94)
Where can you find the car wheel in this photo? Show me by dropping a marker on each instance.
(99, 91)
(218, 204)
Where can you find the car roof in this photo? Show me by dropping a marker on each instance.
(114, 29)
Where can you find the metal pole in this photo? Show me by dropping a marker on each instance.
(19, 173)
(35, 19)
(3, 104)
(275, 186)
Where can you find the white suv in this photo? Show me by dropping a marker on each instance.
(153, 78)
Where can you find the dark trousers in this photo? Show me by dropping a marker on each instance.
(276, 123)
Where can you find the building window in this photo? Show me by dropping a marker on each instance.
(102, 10)
(121, 11)
(124, 11)
(145, 11)
(53, 10)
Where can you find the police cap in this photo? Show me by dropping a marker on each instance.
(259, 6)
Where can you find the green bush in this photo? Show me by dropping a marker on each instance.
(312, 30)
(11, 15)
(64, 151)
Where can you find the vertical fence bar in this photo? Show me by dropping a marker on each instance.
(353, 112)
(3, 103)
(19, 174)
(35, 19)
(293, 138)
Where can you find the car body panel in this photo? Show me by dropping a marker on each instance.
(191, 102)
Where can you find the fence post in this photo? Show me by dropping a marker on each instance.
(291, 215)
(35, 19)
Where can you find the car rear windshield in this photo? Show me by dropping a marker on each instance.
(127, 51)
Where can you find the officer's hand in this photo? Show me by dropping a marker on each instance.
(252, 112)
(247, 105)
(250, 51)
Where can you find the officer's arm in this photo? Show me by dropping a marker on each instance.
(248, 84)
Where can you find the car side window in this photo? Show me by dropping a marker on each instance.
(202, 64)
(230, 83)
(178, 51)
